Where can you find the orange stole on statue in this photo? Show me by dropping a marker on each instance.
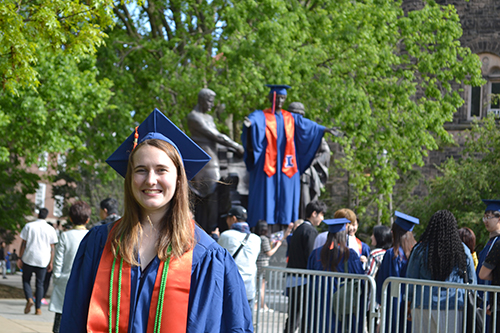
(289, 166)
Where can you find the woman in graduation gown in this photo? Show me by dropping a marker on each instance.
(395, 263)
(334, 256)
(154, 270)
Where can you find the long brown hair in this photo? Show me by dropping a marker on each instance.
(334, 249)
(402, 238)
(331, 254)
(176, 227)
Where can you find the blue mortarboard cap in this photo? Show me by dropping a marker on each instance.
(157, 126)
(336, 225)
(493, 205)
(280, 89)
(406, 222)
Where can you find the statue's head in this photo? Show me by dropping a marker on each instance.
(297, 107)
(206, 98)
(280, 100)
(280, 91)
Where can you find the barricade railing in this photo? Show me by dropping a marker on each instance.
(414, 305)
(315, 301)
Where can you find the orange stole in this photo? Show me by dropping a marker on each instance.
(175, 308)
(360, 245)
(289, 166)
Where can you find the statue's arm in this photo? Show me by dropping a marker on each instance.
(247, 123)
(200, 126)
(334, 131)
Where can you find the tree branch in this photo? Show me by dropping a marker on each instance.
(152, 21)
(162, 11)
(126, 19)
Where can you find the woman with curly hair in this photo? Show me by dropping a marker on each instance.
(440, 255)
(395, 262)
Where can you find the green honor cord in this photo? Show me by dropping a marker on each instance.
(161, 295)
(159, 306)
(117, 328)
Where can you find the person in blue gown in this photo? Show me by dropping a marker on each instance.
(333, 256)
(161, 273)
(274, 192)
(491, 220)
(394, 264)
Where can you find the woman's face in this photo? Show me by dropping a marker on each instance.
(352, 228)
(374, 240)
(491, 222)
(154, 179)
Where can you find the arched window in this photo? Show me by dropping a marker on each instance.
(485, 99)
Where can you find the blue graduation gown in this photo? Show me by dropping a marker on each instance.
(480, 260)
(217, 297)
(482, 256)
(395, 267)
(354, 266)
(276, 199)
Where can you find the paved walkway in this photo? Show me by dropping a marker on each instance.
(12, 317)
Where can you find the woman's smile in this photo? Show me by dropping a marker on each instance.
(154, 179)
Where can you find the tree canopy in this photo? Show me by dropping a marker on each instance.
(388, 79)
(50, 94)
(29, 26)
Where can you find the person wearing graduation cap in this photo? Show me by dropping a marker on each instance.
(491, 220)
(279, 147)
(395, 261)
(333, 256)
(154, 270)
(487, 268)
(440, 255)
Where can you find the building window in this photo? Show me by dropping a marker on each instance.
(43, 159)
(486, 99)
(40, 197)
(61, 162)
(58, 205)
(494, 98)
(475, 102)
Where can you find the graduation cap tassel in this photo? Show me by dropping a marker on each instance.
(274, 101)
(136, 137)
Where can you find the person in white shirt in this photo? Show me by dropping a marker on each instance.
(243, 246)
(35, 257)
(79, 215)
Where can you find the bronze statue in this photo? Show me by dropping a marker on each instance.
(205, 134)
(313, 180)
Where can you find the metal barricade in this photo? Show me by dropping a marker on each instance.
(414, 305)
(315, 301)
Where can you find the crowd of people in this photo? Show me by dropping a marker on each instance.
(442, 253)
